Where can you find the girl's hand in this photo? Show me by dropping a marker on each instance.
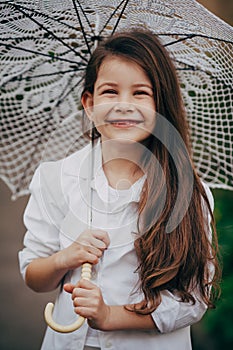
(88, 247)
(88, 302)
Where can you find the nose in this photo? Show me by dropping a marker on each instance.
(124, 107)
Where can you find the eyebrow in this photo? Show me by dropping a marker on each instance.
(109, 83)
(142, 85)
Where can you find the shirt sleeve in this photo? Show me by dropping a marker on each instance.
(172, 313)
(42, 216)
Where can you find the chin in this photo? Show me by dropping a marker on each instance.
(121, 140)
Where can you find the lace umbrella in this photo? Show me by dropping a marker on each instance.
(45, 46)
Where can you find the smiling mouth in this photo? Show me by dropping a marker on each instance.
(124, 123)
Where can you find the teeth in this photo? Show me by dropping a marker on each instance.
(124, 121)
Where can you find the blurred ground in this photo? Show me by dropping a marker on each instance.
(21, 316)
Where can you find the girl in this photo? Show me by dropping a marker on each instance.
(150, 245)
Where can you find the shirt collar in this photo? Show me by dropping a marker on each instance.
(79, 165)
(111, 195)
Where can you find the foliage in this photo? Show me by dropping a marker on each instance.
(218, 323)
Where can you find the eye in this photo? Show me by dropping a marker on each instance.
(109, 91)
(141, 92)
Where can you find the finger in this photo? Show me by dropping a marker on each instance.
(85, 302)
(81, 296)
(98, 244)
(93, 246)
(87, 256)
(102, 236)
(76, 292)
(95, 250)
(85, 312)
(91, 257)
(85, 284)
(69, 287)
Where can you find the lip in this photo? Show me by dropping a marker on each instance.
(123, 123)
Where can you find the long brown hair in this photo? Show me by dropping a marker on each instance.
(179, 260)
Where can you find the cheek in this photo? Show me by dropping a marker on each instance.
(149, 113)
(148, 106)
(101, 111)
(150, 122)
(98, 112)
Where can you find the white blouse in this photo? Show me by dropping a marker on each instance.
(55, 216)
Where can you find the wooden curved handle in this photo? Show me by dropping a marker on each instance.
(48, 313)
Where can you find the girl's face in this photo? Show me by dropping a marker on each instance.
(122, 105)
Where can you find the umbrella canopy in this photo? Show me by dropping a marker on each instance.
(45, 46)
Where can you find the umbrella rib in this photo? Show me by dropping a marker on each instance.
(81, 25)
(121, 14)
(48, 17)
(197, 68)
(84, 14)
(61, 99)
(113, 13)
(39, 13)
(43, 75)
(190, 36)
(30, 37)
(42, 14)
(187, 36)
(49, 32)
(45, 16)
(21, 77)
(37, 53)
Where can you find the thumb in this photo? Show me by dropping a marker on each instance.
(68, 287)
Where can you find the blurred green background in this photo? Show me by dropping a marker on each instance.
(21, 310)
(215, 331)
